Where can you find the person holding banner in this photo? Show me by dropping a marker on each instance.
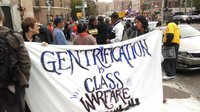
(30, 29)
(170, 49)
(83, 38)
(141, 26)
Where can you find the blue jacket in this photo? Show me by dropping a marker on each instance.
(59, 37)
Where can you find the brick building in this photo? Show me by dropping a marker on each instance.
(147, 4)
(121, 5)
(136, 5)
(105, 8)
(117, 5)
(143, 5)
(46, 10)
(15, 11)
(102, 8)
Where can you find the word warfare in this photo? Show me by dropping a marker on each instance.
(66, 60)
(107, 91)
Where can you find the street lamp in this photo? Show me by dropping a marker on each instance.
(48, 10)
(21, 9)
(162, 13)
(83, 5)
(192, 5)
(185, 5)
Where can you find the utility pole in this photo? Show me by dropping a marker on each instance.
(83, 10)
(152, 5)
(192, 5)
(21, 10)
(162, 13)
(48, 10)
(180, 6)
(185, 5)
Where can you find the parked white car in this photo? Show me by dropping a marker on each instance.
(189, 50)
(182, 18)
(152, 24)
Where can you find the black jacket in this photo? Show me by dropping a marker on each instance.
(102, 36)
(45, 35)
(21, 57)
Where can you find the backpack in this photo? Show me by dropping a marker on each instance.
(6, 69)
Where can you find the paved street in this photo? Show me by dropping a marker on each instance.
(186, 84)
(191, 81)
(188, 80)
(197, 26)
(183, 92)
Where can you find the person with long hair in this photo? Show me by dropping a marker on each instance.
(141, 26)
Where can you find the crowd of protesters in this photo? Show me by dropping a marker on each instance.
(98, 31)
(103, 30)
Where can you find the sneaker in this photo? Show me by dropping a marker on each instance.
(168, 77)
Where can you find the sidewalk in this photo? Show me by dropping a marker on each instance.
(181, 105)
(179, 98)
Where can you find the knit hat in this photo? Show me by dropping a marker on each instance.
(57, 20)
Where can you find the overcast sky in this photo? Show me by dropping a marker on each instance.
(105, 0)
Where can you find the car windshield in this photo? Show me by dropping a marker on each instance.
(152, 25)
(188, 31)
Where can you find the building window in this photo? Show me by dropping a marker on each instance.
(50, 2)
(37, 3)
(61, 4)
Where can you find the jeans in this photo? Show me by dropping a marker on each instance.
(169, 65)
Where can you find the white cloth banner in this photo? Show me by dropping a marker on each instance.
(118, 77)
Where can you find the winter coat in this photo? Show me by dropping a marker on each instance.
(45, 35)
(102, 33)
(19, 55)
